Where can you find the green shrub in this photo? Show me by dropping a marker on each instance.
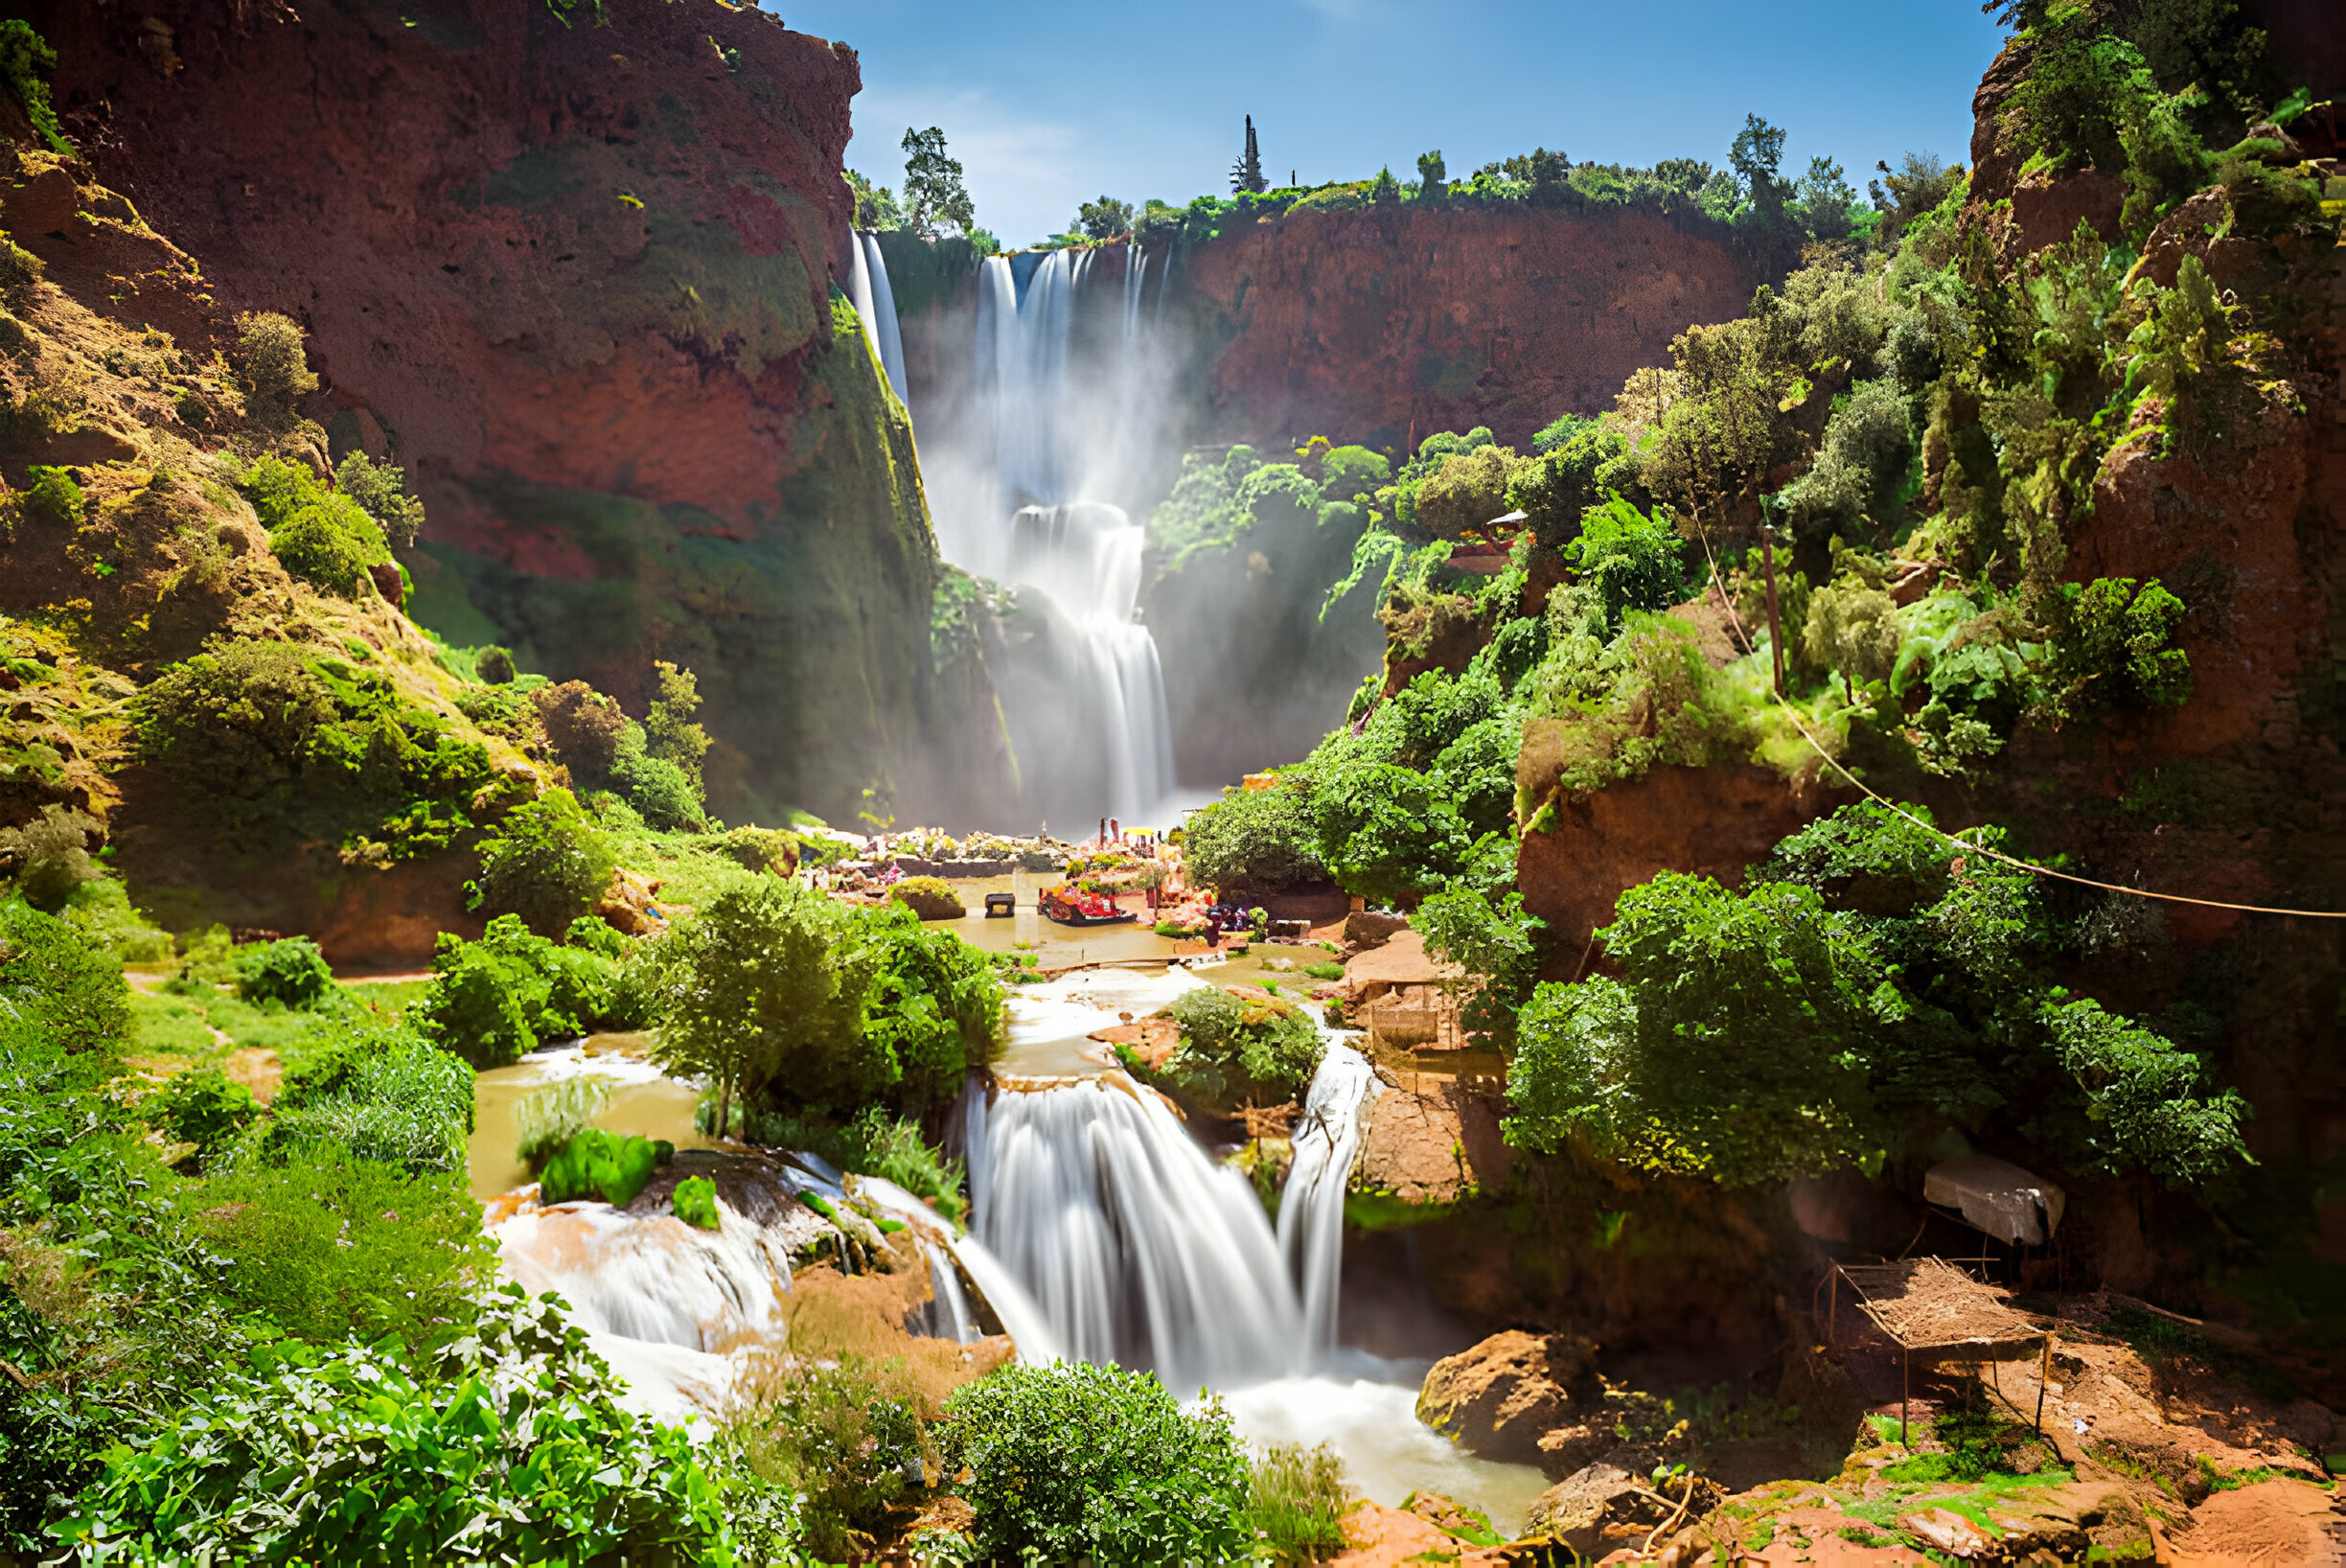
(584, 727)
(1147, 1484)
(24, 54)
(320, 535)
(1232, 1048)
(1295, 1503)
(382, 1096)
(1633, 561)
(493, 1000)
(59, 987)
(931, 898)
(204, 1108)
(1255, 841)
(290, 971)
(381, 489)
(594, 1163)
(658, 787)
(1324, 971)
(338, 1244)
(552, 1117)
(494, 666)
(546, 863)
(694, 1201)
(52, 498)
(850, 1440)
(274, 368)
(51, 855)
(506, 1444)
(2113, 646)
(497, 710)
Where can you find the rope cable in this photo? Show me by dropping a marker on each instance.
(1735, 621)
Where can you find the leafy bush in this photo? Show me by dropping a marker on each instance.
(1388, 833)
(290, 972)
(551, 1117)
(382, 1096)
(494, 666)
(274, 368)
(52, 498)
(1148, 1485)
(281, 743)
(24, 54)
(1255, 841)
(694, 1201)
(58, 987)
(546, 863)
(850, 1439)
(872, 1144)
(50, 856)
(381, 489)
(1262, 1050)
(204, 1108)
(585, 729)
(661, 792)
(506, 1443)
(2113, 646)
(613, 1166)
(1296, 1502)
(497, 710)
(338, 1244)
(1631, 560)
(931, 898)
(492, 1002)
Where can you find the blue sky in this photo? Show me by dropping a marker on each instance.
(1048, 103)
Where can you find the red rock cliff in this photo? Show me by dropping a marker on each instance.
(577, 279)
(1372, 326)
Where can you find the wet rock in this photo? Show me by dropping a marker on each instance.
(1501, 1397)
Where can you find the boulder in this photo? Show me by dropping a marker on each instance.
(1367, 928)
(1603, 1506)
(1502, 1397)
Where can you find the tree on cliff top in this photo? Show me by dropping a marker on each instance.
(933, 193)
(1245, 175)
(875, 205)
(1104, 219)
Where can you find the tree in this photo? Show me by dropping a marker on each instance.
(1430, 174)
(1827, 199)
(584, 727)
(669, 732)
(1245, 175)
(763, 982)
(875, 205)
(1387, 191)
(933, 193)
(1104, 219)
(275, 372)
(381, 491)
(1919, 184)
(1756, 155)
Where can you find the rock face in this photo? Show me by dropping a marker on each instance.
(1375, 327)
(577, 280)
(1432, 1141)
(1503, 1398)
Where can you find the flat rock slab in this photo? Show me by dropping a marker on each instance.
(2267, 1524)
(1400, 960)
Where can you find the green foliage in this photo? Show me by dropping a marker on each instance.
(1498, 946)
(875, 205)
(52, 498)
(204, 1108)
(494, 666)
(503, 1443)
(1149, 1484)
(290, 972)
(380, 491)
(337, 1245)
(550, 1117)
(493, 1002)
(585, 729)
(1257, 1051)
(546, 863)
(873, 1143)
(669, 734)
(381, 1095)
(659, 789)
(933, 192)
(593, 1164)
(849, 1438)
(281, 743)
(51, 857)
(58, 987)
(931, 898)
(1388, 833)
(2112, 647)
(1253, 841)
(1571, 476)
(1465, 492)
(1629, 559)
(1295, 1503)
(1853, 628)
(24, 54)
(1860, 471)
(274, 371)
(694, 1201)
(1873, 986)
(1103, 219)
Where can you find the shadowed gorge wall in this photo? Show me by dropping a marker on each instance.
(576, 279)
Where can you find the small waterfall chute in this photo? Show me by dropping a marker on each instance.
(887, 334)
(1311, 1209)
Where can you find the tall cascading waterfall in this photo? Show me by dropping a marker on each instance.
(1138, 1248)
(875, 303)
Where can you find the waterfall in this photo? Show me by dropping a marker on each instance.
(1138, 1248)
(1096, 731)
(1311, 1211)
(1136, 285)
(887, 338)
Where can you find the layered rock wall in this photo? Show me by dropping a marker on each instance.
(576, 278)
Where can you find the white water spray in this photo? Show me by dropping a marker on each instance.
(1311, 1211)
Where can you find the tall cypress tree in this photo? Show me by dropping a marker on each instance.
(1245, 175)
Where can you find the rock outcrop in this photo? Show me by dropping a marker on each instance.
(1521, 1400)
(577, 279)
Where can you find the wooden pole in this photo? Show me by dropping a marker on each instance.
(1832, 1306)
(2044, 1375)
(1905, 1379)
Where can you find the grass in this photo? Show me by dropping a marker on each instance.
(1296, 1502)
(555, 1115)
